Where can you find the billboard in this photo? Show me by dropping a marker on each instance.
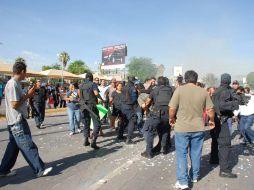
(114, 55)
(178, 70)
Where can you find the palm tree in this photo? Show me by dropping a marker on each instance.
(64, 58)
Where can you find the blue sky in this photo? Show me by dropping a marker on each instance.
(208, 36)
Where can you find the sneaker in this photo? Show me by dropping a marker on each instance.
(179, 186)
(79, 130)
(71, 133)
(45, 172)
(194, 180)
(8, 174)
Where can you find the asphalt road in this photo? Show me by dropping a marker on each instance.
(115, 166)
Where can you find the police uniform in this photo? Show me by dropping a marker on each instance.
(225, 104)
(158, 121)
(128, 109)
(38, 105)
(89, 111)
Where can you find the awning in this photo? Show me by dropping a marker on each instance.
(53, 73)
(7, 70)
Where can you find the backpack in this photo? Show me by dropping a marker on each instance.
(164, 95)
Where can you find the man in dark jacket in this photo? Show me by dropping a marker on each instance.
(225, 104)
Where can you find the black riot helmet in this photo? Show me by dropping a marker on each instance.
(131, 79)
(162, 81)
(89, 76)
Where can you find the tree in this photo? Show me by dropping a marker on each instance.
(64, 58)
(54, 66)
(160, 70)
(210, 80)
(250, 79)
(78, 67)
(142, 68)
(20, 60)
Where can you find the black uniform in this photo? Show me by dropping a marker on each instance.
(117, 98)
(158, 120)
(89, 111)
(38, 105)
(128, 109)
(225, 104)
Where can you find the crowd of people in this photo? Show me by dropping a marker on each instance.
(152, 108)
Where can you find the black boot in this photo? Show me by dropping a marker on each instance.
(120, 138)
(165, 150)
(145, 155)
(227, 174)
(94, 146)
(156, 149)
(129, 141)
(86, 142)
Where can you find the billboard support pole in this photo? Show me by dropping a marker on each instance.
(124, 73)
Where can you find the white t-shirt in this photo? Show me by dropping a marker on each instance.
(102, 90)
(248, 109)
(14, 92)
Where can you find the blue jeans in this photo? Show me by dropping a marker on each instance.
(20, 139)
(139, 121)
(183, 143)
(246, 123)
(74, 119)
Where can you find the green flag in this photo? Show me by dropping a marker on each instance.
(102, 112)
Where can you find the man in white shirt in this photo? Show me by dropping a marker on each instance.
(20, 138)
(246, 113)
(103, 88)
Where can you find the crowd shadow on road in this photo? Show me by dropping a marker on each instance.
(55, 124)
(3, 129)
(25, 174)
(236, 151)
(62, 115)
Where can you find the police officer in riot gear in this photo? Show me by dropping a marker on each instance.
(128, 109)
(225, 104)
(89, 95)
(158, 119)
